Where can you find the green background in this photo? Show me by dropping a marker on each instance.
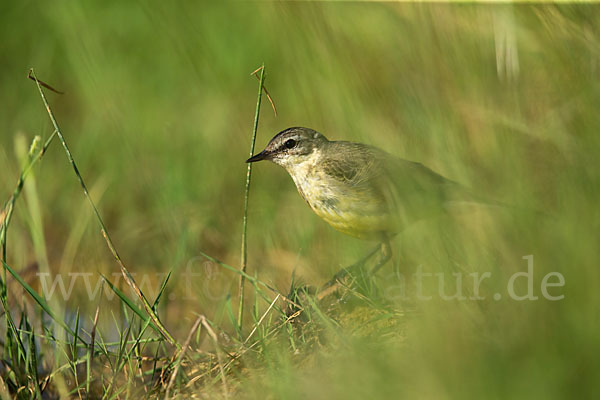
(158, 111)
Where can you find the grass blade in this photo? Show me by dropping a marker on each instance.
(40, 300)
(128, 277)
(246, 195)
(6, 214)
(256, 282)
(127, 301)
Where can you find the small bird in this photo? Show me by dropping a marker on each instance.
(359, 189)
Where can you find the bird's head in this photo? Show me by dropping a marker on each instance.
(291, 147)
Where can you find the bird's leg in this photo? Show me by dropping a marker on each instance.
(337, 281)
(356, 267)
(384, 256)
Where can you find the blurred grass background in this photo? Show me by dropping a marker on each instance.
(158, 110)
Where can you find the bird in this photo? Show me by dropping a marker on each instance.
(359, 189)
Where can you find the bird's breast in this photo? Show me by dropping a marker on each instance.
(352, 211)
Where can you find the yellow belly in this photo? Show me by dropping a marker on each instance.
(355, 218)
(349, 210)
(362, 227)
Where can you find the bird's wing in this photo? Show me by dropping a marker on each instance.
(409, 189)
(354, 164)
(362, 165)
(414, 176)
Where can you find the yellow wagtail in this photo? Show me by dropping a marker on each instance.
(359, 189)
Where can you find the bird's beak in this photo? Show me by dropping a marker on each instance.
(263, 155)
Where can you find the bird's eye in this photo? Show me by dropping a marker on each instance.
(290, 143)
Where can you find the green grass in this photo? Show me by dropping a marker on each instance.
(158, 111)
